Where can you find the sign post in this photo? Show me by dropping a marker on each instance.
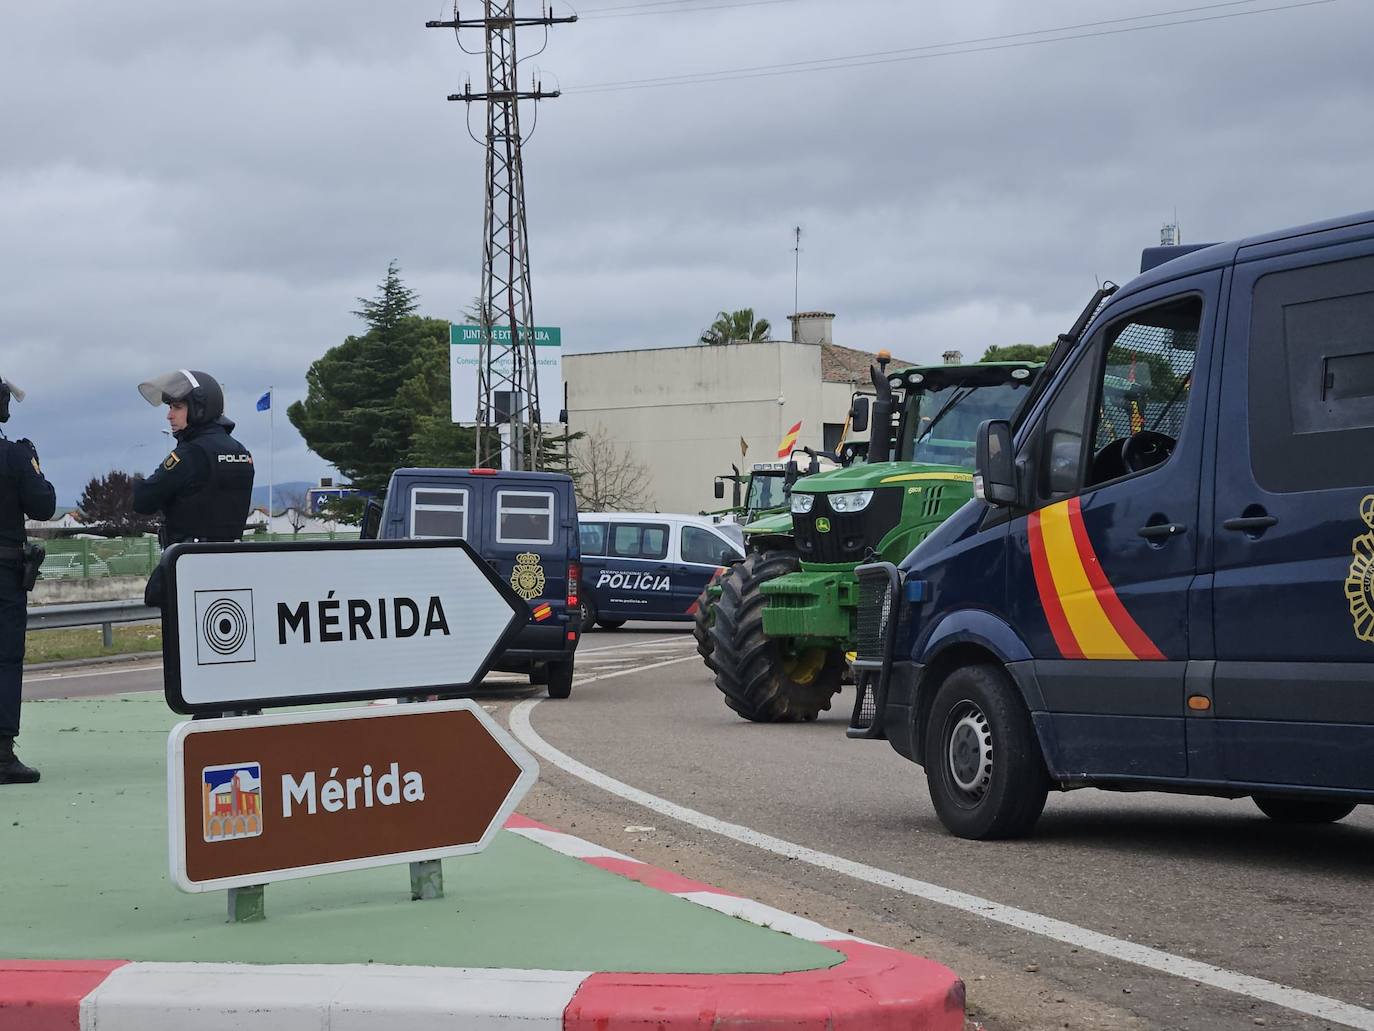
(254, 799)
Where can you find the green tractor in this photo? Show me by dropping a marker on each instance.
(761, 508)
(783, 619)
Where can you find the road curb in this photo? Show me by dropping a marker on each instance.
(873, 988)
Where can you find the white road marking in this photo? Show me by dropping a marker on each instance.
(657, 642)
(44, 678)
(1295, 999)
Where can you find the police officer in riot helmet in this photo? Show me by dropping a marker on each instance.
(204, 488)
(24, 491)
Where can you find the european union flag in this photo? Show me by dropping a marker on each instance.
(265, 402)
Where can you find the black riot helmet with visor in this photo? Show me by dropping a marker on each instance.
(203, 397)
(8, 390)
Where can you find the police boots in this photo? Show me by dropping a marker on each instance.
(12, 771)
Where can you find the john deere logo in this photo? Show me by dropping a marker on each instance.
(1359, 584)
(528, 576)
(822, 525)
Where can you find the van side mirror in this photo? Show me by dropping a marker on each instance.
(727, 555)
(720, 488)
(858, 414)
(994, 477)
(372, 520)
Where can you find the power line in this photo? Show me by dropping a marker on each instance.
(593, 13)
(952, 43)
(1002, 42)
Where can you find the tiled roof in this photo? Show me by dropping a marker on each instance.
(845, 364)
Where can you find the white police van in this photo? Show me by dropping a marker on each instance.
(649, 565)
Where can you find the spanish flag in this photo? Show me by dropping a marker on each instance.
(543, 612)
(789, 441)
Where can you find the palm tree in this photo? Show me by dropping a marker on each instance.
(733, 327)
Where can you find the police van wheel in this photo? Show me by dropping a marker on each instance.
(1303, 810)
(762, 679)
(560, 679)
(983, 761)
(586, 610)
(610, 624)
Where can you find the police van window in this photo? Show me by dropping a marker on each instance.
(639, 540)
(524, 517)
(592, 538)
(438, 512)
(1143, 396)
(1311, 379)
(701, 546)
(1061, 440)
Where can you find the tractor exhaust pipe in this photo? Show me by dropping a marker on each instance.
(880, 435)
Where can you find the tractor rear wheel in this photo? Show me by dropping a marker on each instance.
(702, 619)
(764, 679)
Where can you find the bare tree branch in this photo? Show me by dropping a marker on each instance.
(609, 479)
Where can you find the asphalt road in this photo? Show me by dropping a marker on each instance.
(1203, 879)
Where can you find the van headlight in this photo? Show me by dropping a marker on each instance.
(801, 503)
(850, 501)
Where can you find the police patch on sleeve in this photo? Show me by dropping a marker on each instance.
(173, 460)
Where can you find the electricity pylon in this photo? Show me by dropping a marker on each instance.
(507, 382)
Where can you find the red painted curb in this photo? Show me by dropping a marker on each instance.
(874, 989)
(653, 876)
(45, 995)
(877, 989)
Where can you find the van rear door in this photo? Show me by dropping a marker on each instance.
(1293, 595)
(526, 544)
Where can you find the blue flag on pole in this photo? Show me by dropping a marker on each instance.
(265, 402)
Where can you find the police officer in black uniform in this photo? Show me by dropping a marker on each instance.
(23, 492)
(204, 488)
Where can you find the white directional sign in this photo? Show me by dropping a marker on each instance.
(254, 625)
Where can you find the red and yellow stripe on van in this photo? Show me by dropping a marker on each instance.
(542, 612)
(1086, 617)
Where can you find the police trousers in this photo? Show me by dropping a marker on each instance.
(14, 614)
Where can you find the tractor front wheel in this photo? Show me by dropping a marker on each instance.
(763, 679)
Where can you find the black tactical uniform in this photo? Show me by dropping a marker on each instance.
(204, 488)
(23, 492)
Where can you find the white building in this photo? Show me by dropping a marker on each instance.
(687, 413)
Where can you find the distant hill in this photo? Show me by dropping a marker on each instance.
(280, 492)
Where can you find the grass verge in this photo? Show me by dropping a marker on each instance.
(85, 642)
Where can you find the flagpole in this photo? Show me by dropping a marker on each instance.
(271, 453)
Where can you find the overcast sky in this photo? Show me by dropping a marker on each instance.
(212, 187)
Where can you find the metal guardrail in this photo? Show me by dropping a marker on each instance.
(89, 613)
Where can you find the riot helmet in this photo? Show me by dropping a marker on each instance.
(8, 390)
(203, 396)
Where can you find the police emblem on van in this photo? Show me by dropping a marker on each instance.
(1359, 583)
(528, 576)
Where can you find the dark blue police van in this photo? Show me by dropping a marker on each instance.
(650, 565)
(1168, 582)
(525, 526)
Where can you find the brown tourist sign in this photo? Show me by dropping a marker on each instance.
(255, 799)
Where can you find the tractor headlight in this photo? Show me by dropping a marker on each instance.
(801, 503)
(850, 501)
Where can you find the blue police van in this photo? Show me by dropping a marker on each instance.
(1166, 581)
(524, 525)
(650, 565)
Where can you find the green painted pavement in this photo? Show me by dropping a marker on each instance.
(85, 855)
